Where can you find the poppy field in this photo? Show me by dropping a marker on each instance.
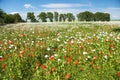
(63, 51)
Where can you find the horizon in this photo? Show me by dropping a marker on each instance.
(22, 7)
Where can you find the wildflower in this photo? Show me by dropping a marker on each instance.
(98, 67)
(58, 60)
(105, 57)
(85, 53)
(91, 63)
(19, 55)
(11, 46)
(58, 39)
(52, 70)
(81, 69)
(111, 50)
(32, 41)
(2, 58)
(69, 59)
(21, 52)
(7, 55)
(95, 57)
(65, 63)
(43, 67)
(10, 42)
(71, 41)
(88, 57)
(51, 58)
(111, 45)
(76, 62)
(37, 64)
(48, 49)
(67, 76)
(46, 56)
(56, 49)
(93, 50)
(3, 67)
(55, 55)
(22, 35)
(33, 32)
(118, 74)
(13, 54)
(83, 47)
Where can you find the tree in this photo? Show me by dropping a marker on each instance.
(30, 15)
(56, 15)
(50, 16)
(99, 16)
(17, 17)
(85, 16)
(2, 17)
(62, 17)
(70, 17)
(107, 16)
(10, 18)
(42, 16)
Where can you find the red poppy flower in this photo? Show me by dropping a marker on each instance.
(81, 69)
(43, 67)
(13, 54)
(19, 55)
(7, 55)
(3, 67)
(118, 74)
(52, 70)
(69, 59)
(111, 50)
(37, 64)
(2, 59)
(76, 62)
(111, 45)
(51, 58)
(10, 42)
(67, 76)
(95, 57)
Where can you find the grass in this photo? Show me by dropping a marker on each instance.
(60, 51)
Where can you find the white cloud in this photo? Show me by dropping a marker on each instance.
(63, 5)
(29, 6)
(14, 12)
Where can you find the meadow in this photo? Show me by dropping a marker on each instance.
(60, 51)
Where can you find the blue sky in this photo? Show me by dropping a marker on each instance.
(61, 6)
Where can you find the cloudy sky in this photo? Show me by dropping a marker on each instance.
(61, 6)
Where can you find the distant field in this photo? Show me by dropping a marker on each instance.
(60, 51)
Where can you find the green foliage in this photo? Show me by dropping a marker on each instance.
(17, 18)
(85, 16)
(89, 16)
(30, 15)
(99, 16)
(42, 16)
(56, 15)
(62, 17)
(9, 18)
(70, 17)
(50, 16)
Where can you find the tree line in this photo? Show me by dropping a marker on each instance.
(54, 17)
(9, 18)
(82, 16)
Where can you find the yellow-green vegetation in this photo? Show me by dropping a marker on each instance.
(60, 51)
